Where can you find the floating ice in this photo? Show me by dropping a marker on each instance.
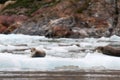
(62, 54)
(114, 38)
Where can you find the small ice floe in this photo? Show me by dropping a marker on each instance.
(114, 38)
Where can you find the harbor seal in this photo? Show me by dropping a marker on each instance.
(109, 50)
(37, 53)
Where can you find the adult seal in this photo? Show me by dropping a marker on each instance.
(37, 53)
(109, 50)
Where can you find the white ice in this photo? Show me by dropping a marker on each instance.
(62, 54)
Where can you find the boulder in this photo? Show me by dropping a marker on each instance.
(58, 32)
(62, 27)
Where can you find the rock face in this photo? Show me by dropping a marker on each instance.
(58, 31)
(2, 6)
(61, 27)
(116, 25)
(9, 23)
(73, 19)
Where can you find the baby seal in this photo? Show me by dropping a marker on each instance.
(37, 53)
(109, 50)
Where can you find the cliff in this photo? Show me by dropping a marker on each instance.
(62, 18)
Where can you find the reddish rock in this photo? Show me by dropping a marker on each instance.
(59, 31)
(12, 27)
(2, 28)
(9, 21)
(93, 18)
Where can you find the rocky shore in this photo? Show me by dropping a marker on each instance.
(62, 18)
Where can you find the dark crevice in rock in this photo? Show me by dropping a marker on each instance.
(116, 17)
